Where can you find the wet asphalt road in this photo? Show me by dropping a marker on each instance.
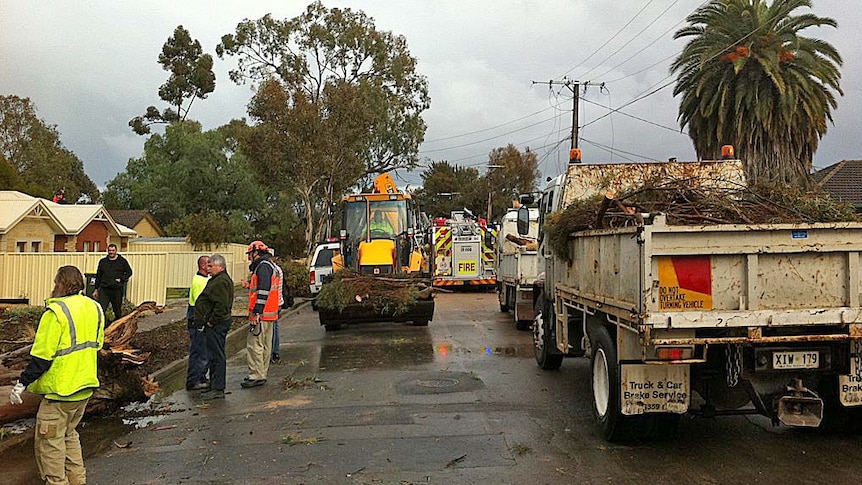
(458, 402)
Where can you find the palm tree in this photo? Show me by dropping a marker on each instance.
(747, 78)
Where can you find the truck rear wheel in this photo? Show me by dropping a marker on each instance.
(606, 387)
(543, 344)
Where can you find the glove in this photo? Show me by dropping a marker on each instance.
(17, 391)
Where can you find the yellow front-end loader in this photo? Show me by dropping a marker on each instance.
(381, 271)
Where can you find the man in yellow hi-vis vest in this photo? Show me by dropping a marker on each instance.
(62, 368)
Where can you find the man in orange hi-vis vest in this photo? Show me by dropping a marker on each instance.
(264, 302)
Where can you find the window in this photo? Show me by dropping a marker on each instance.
(95, 246)
(34, 246)
(324, 257)
(21, 247)
(86, 246)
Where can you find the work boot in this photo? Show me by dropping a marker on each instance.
(252, 383)
(212, 394)
(200, 386)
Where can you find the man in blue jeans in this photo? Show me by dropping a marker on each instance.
(213, 309)
(196, 378)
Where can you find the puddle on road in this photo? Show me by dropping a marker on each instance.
(445, 351)
(398, 352)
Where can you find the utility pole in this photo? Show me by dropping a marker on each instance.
(575, 87)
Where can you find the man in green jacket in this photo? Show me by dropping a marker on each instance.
(62, 368)
(213, 309)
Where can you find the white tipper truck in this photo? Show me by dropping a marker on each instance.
(709, 319)
(517, 267)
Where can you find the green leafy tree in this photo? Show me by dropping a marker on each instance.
(187, 177)
(510, 174)
(191, 78)
(337, 101)
(447, 187)
(41, 163)
(748, 78)
(297, 151)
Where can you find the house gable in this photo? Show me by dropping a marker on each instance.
(26, 223)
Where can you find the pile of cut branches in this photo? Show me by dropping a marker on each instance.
(117, 359)
(393, 295)
(686, 204)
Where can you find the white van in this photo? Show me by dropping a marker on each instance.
(321, 266)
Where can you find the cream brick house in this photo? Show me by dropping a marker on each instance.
(33, 225)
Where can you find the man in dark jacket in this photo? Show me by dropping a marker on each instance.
(213, 309)
(111, 277)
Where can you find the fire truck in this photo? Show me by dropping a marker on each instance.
(462, 251)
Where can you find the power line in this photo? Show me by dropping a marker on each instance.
(642, 70)
(575, 88)
(617, 151)
(717, 54)
(647, 47)
(490, 138)
(632, 39)
(636, 117)
(620, 31)
(491, 128)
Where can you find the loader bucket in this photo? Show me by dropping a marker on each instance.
(420, 313)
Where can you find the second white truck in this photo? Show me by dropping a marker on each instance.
(517, 267)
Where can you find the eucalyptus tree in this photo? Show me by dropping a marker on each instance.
(321, 66)
(747, 77)
(191, 78)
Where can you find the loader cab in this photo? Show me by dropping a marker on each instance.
(379, 233)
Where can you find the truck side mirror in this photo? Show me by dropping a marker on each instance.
(523, 221)
(527, 199)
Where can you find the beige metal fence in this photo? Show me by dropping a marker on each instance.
(156, 267)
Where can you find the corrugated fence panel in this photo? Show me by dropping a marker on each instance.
(181, 268)
(170, 265)
(159, 247)
(31, 275)
(233, 253)
(149, 277)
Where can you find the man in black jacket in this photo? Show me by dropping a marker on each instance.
(111, 277)
(213, 309)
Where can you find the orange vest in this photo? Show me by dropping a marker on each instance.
(272, 295)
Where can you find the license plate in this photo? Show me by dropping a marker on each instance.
(800, 359)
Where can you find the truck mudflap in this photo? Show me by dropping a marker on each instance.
(646, 388)
(420, 313)
(850, 385)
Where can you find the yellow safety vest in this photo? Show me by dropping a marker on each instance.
(76, 322)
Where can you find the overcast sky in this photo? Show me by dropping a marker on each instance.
(90, 66)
